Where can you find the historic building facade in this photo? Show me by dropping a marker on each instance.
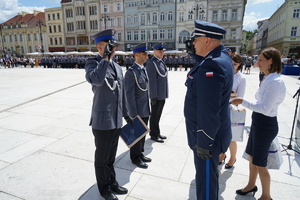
(284, 25)
(149, 21)
(83, 19)
(24, 33)
(55, 33)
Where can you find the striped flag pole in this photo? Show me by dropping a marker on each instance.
(207, 179)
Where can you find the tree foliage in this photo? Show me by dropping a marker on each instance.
(250, 34)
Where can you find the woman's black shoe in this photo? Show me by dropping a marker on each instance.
(223, 160)
(229, 166)
(240, 192)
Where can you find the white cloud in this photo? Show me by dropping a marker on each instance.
(11, 8)
(253, 2)
(250, 21)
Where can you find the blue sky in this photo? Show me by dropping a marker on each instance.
(255, 9)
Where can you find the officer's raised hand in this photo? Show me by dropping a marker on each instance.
(202, 153)
(109, 50)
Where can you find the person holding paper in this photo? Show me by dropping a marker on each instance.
(106, 79)
(136, 84)
(264, 126)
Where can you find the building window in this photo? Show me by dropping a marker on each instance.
(233, 34)
(79, 11)
(181, 16)
(28, 38)
(59, 28)
(55, 41)
(154, 17)
(82, 40)
(105, 8)
(94, 24)
(80, 25)
(49, 17)
(16, 38)
(70, 40)
(135, 35)
(30, 48)
(296, 13)
(51, 41)
(170, 15)
(50, 29)
(181, 1)
(154, 34)
(22, 49)
(34, 36)
(58, 16)
(60, 40)
(135, 18)
(21, 37)
(143, 18)
(118, 7)
(119, 36)
(162, 34)
(10, 38)
(128, 35)
(183, 36)
(93, 10)
(234, 14)
(119, 21)
(53, 16)
(70, 26)
(170, 33)
(294, 31)
(128, 19)
(190, 16)
(112, 22)
(54, 28)
(215, 15)
(162, 16)
(143, 35)
(69, 13)
(224, 15)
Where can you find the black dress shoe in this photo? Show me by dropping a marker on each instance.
(240, 192)
(140, 164)
(145, 159)
(157, 139)
(118, 189)
(110, 196)
(162, 137)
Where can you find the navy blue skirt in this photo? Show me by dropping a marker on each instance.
(262, 132)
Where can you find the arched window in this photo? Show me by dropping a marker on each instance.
(170, 15)
(162, 16)
(183, 36)
(154, 17)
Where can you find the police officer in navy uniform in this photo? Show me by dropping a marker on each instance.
(159, 89)
(136, 84)
(106, 78)
(206, 107)
(186, 62)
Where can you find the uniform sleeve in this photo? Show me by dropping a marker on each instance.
(209, 89)
(129, 85)
(151, 71)
(95, 72)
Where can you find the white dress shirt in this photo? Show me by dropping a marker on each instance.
(239, 84)
(269, 96)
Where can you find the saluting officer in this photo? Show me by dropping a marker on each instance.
(206, 107)
(159, 91)
(136, 86)
(106, 78)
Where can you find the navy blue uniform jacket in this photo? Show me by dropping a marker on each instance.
(206, 106)
(136, 92)
(108, 102)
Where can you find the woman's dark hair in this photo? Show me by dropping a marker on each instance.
(237, 58)
(273, 53)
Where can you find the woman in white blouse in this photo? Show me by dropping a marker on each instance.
(264, 127)
(239, 86)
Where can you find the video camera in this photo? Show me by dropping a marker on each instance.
(190, 48)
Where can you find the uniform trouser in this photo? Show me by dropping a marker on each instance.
(156, 111)
(106, 142)
(200, 166)
(136, 151)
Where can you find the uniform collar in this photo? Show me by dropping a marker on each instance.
(141, 66)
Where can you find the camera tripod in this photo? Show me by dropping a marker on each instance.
(289, 147)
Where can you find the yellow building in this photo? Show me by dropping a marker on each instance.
(284, 28)
(54, 21)
(24, 33)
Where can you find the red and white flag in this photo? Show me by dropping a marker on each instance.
(209, 74)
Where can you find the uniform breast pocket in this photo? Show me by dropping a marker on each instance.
(189, 82)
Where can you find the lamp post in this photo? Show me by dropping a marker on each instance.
(1, 27)
(39, 23)
(196, 10)
(104, 19)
